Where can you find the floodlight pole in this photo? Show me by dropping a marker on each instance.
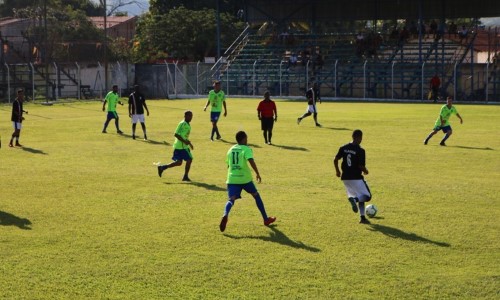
(392, 79)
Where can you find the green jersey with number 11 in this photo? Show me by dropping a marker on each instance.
(238, 171)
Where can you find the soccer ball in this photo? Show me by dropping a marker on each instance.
(371, 210)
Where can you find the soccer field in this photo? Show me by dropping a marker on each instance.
(85, 215)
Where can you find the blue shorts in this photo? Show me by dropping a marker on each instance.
(445, 129)
(214, 116)
(235, 189)
(182, 154)
(112, 115)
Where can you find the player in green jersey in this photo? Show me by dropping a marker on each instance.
(443, 122)
(239, 177)
(112, 98)
(217, 99)
(182, 146)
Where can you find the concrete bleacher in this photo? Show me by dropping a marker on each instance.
(262, 63)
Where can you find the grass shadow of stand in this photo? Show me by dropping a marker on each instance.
(277, 236)
(7, 219)
(396, 233)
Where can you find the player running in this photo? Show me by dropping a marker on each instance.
(443, 123)
(312, 96)
(181, 147)
(353, 168)
(239, 177)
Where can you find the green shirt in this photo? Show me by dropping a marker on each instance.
(445, 114)
(183, 129)
(238, 171)
(112, 100)
(216, 100)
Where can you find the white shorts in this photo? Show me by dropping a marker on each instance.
(312, 109)
(17, 125)
(358, 188)
(137, 118)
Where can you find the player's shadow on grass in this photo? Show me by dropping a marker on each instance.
(290, 147)
(473, 148)
(34, 151)
(211, 187)
(153, 142)
(7, 219)
(396, 233)
(337, 128)
(277, 236)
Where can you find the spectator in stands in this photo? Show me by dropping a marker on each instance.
(435, 83)
(318, 61)
(423, 30)
(394, 36)
(292, 60)
(360, 44)
(404, 35)
(463, 33)
(433, 29)
(452, 29)
(413, 30)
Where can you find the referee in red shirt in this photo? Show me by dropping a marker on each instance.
(267, 113)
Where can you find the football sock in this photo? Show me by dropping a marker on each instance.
(361, 206)
(260, 205)
(269, 135)
(445, 138)
(228, 207)
(116, 124)
(265, 135)
(213, 132)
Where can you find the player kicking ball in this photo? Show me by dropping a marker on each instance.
(443, 122)
(239, 177)
(353, 168)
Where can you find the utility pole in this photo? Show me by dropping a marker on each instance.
(105, 47)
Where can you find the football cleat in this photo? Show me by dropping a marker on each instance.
(223, 222)
(160, 170)
(185, 178)
(269, 221)
(364, 220)
(442, 144)
(354, 206)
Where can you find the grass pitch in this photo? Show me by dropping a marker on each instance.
(85, 215)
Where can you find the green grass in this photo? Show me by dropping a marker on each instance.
(85, 215)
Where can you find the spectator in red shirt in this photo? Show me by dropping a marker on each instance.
(434, 85)
(267, 114)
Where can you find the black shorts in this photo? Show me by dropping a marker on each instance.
(266, 123)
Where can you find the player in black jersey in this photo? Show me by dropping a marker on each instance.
(136, 106)
(312, 96)
(353, 168)
(17, 118)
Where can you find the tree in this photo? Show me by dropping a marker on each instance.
(183, 34)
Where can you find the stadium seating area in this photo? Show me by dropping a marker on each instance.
(343, 64)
